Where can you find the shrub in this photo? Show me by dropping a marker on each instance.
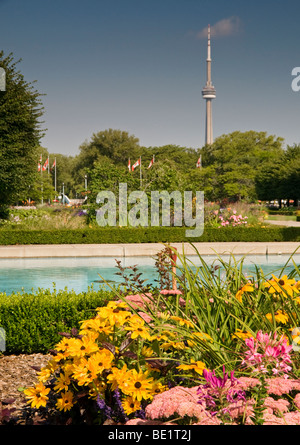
(125, 235)
(32, 322)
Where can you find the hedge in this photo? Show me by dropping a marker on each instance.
(32, 321)
(115, 235)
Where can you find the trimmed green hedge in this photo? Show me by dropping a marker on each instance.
(32, 322)
(114, 235)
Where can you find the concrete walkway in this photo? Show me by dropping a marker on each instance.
(283, 223)
(145, 249)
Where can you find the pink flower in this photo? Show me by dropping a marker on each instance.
(267, 354)
(138, 300)
(173, 401)
(297, 400)
(277, 406)
(171, 292)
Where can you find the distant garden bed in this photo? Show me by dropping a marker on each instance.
(115, 235)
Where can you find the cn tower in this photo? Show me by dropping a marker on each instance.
(208, 94)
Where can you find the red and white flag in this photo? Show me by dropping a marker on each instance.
(129, 164)
(151, 162)
(45, 165)
(40, 164)
(136, 164)
(53, 165)
(198, 165)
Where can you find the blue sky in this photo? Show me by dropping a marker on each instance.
(139, 66)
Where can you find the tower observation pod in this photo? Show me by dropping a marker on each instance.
(208, 93)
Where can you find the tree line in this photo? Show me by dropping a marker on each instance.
(238, 166)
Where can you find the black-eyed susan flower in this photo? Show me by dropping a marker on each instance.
(65, 402)
(82, 347)
(242, 334)
(37, 395)
(62, 382)
(139, 331)
(140, 385)
(280, 316)
(130, 405)
(281, 285)
(246, 288)
(119, 378)
(158, 388)
(99, 361)
(45, 373)
(181, 321)
(97, 326)
(114, 313)
(198, 367)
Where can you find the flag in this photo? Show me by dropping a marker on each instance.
(136, 164)
(151, 162)
(45, 165)
(198, 165)
(53, 165)
(39, 164)
(129, 164)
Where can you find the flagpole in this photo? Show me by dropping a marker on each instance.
(42, 179)
(55, 177)
(141, 172)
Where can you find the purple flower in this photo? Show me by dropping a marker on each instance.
(107, 411)
(218, 392)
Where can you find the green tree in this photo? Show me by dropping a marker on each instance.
(116, 145)
(236, 159)
(183, 159)
(20, 133)
(280, 180)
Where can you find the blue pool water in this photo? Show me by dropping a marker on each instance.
(78, 274)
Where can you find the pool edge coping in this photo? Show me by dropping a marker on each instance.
(146, 249)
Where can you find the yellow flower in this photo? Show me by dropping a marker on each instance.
(140, 386)
(100, 361)
(130, 405)
(296, 335)
(64, 345)
(82, 347)
(140, 331)
(65, 403)
(37, 395)
(158, 388)
(45, 373)
(195, 366)
(164, 316)
(62, 382)
(279, 316)
(119, 378)
(81, 372)
(147, 351)
(281, 285)
(97, 326)
(182, 321)
(241, 334)
(245, 288)
(97, 387)
(174, 345)
(114, 313)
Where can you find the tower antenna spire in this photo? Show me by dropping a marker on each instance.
(208, 93)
